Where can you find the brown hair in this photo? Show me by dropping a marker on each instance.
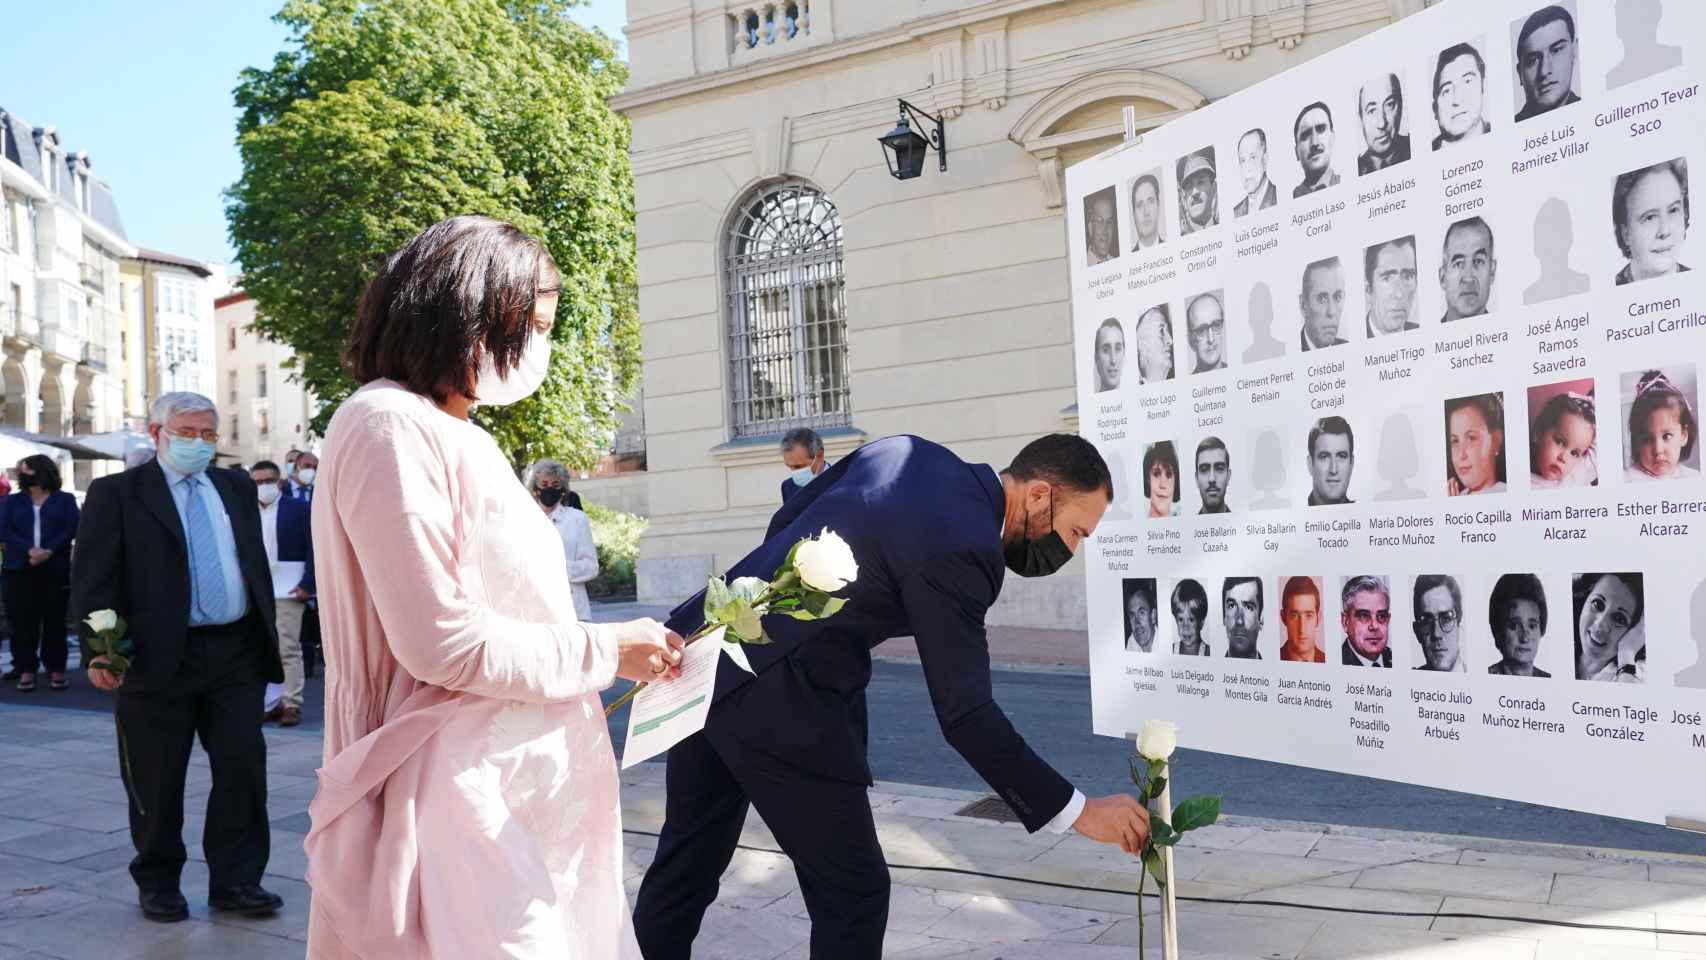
(462, 286)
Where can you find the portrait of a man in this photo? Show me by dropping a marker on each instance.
(1199, 203)
(1300, 613)
(1241, 602)
(1146, 220)
(1214, 474)
(1460, 95)
(1438, 605)
(1101, 227)
(1259, 191)
(1546, 61)
(1110, 355)
(1390, 284)
(1332, 455)
(1380, 109)
(1322, 303)
(1190, 614)
(1467, 269)
(1140, 619)
(1365, 614)
(1205, 331)
(1312, 133)
(1155, 345)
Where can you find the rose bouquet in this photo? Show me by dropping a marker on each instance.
(1150, 772)
(815, 568)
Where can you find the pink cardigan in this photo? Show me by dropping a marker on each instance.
(468, 803)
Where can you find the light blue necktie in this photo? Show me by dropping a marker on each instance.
(207, 577)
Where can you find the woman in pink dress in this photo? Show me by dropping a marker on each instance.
(468, 803)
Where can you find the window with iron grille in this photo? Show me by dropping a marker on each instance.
(786, 309)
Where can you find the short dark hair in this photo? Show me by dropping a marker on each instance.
(462, 288)
(1433, 581)
(1371, 254)
(1506, 592)
(44, 469)
(265, 465)
(1317, 105)
(1161, 453)
(1491, 406)
(1325, 263)
(1453, 52)
(1189, 593)
(1654, 391)
(805, 438)
(1139, 587)
(1150, 179)
(1213, 443)
(1063, 460)
(1335, 425)
(1230, 582)
(1540, 18)
(1581, 587)
(1300, 587)
(1261, 135)
(1625, 185)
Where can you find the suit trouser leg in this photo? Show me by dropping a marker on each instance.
(55, 586)
(237, 838)
(289, 622)
(704, 813)
(25, 602)
(155, 735)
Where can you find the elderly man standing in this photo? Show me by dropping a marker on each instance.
(175, 549)
(290, 555)
(802, 454)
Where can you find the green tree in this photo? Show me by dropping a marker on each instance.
(382, 117)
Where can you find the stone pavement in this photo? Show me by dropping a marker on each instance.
(964, 888)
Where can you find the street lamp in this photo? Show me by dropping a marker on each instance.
(904, 148)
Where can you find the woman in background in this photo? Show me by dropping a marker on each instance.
(37, 525)
(548, 481)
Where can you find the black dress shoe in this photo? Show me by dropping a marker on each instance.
(167, 906)
(249, 900)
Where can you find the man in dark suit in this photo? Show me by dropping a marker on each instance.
(934, 537)
(802, 454)
(290, 556)
(175, 549)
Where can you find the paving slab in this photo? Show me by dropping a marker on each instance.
(1630, 895)
(1563, 928)
(1456, 880)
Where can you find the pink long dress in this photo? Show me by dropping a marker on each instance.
(468, 803)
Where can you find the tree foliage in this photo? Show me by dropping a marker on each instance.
(382, 117)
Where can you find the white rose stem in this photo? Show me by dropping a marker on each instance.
(1169, 906)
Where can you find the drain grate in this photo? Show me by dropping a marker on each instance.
(989, 808)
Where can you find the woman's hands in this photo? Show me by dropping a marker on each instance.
(646, 650)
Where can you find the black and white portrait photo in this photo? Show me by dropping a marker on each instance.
(1109, 358)
(1140, 616)
(1241, 609)
(1467, 269)
(1259, 190)
(1148, 225)
(1460, 95)
(1332, 456)
(1651, 217)
(1190, 619)
(1385, 134)
(1205, 331)
(1199, 201)
(1644, 54)
(1365, 615)
(1214, 474)
(1611, 628)
(1322, 303)
(1389, 271)
(1516, 614)
(1154, 336)
(1313, 138)
(1438, 611)
(1101, 227)
(1548, 71)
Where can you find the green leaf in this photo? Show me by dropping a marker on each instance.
(1156, 785)
(1160, 833)
(1196, 812)
(718, 596)
(1152, 863)
(746, 625)
(736, 653)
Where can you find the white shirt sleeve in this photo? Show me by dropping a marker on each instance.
(1068, 814)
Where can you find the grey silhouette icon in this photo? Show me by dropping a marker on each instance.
(1399, 462)
(1695, 676)
(1263, 345)
(1554, 236)
(1122, 487)
(1267, 473)
(1643, 54)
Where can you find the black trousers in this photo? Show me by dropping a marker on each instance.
(823, 825)
(35, 603)
(217, 696)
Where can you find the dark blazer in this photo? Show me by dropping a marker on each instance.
(296, 537)
(1349, 658)
(296, 491)
(132, 558)
(925, 528)
(58, 528)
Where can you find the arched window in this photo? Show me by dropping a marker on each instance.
(786, 312)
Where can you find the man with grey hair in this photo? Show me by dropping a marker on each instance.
(1365, 615)
(174, 547)
(548, 481)
(802, 454)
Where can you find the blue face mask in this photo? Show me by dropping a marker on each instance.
(188, 457)
(802, 476)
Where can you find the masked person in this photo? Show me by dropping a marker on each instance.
(802, 454)
(934, 537)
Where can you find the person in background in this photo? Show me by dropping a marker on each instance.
(548, 481)
(37, 526)
(290, 552)
(802, 454)
(5, 626)
(301, 485)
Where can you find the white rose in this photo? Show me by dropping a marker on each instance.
(1158, 740)
(826, 564)
(102, 620)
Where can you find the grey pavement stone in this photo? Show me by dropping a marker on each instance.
(1630, 895)
(1344, 898)
(1264, 869)
(1347, 939)
(1366, 851)
(1616, 869)
(1643, 936)
(1199, 935)
(993, 920)
(66, 844)
(1692, 937)
(1454, 880)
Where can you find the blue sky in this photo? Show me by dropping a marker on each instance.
(146, 90)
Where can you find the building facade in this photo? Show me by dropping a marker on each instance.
(174, 296)
(266, 413)
(786, 279)
(65, 322)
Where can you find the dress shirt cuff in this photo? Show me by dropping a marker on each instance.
(1068, 814)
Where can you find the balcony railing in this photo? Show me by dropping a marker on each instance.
(93, 276)
(95, 355)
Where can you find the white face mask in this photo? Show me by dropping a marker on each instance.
(527, 375)
(305, 477)
(269, 493)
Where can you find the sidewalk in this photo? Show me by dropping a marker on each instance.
(963, 888)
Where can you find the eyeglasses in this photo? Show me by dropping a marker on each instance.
(187, 433)
(1446, 619)
(1204, 329)
(1366, 617)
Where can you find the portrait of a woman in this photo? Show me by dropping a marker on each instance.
(1517, 615)
(1161, 479)
(1611, 643)
(1649, 212)
(1475, 444)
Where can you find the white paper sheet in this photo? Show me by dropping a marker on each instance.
(664, 714)
(286, 574)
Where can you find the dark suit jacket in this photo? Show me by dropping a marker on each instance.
(132, 558)
(1349, 657)
(925, 528)
(296, 538)
(18, 529)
